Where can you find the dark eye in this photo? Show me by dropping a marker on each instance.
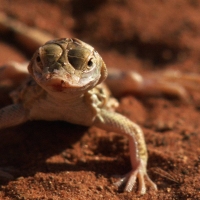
(38, 59)
(90, 63)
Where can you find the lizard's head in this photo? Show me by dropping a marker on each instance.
(66, 64)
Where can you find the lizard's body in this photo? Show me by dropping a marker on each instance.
(65, 85)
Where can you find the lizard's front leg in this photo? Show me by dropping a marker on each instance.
(115, 122)
(12, 115)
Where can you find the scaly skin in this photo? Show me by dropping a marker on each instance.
(65, 84)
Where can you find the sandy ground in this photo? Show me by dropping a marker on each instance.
(57, 160)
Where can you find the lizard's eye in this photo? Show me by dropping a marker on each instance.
(90, 62)
(38, 59)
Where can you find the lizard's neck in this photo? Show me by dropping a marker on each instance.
(69, 96)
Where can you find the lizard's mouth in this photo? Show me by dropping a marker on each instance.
(67, 63)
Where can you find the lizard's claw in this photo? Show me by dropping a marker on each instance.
(129, 180)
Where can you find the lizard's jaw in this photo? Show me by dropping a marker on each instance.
(60, 80)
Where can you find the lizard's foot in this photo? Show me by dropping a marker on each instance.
(129, 180)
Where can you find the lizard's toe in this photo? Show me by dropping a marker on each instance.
(129, 181)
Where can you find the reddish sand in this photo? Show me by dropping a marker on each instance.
(57, 160)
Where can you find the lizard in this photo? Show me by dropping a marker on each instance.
(65, 81)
